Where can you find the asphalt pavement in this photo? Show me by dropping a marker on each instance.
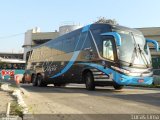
(75, 99)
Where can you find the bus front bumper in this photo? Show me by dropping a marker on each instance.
(130, 80)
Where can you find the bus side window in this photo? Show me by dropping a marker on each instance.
(87, 43)
(4, 66)
(72, 44)
(59, 47)
(68, 45)
(14, 66)
(76, 39)
(23, 66)
(9, 66)
(81, 40)
(96, 33)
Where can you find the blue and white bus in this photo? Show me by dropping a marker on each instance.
(95, 55)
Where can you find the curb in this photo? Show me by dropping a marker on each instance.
(17, 93)
(24, 92)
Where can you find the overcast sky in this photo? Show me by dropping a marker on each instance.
(17, 16)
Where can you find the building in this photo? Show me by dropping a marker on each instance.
(153, 33)
(11, 55)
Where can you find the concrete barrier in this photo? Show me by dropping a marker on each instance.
(16, 91)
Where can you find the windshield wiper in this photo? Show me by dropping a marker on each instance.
(133, 56)
(142, 53)
(134, 52)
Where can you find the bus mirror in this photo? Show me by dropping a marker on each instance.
(115, 35)
(156, 45)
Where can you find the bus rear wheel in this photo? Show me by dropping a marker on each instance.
(89, 81)
(23, 79)
(117, 86)
(40, 81)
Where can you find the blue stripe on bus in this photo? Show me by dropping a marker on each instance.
(74, 57)
(75, 54)
(120, 78)
(86, 28)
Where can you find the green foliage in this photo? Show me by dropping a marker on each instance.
(16, 109)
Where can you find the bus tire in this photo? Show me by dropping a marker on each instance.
(34, 80)
(117, 86)
(89, 81)
(40, 81)
(23, 80)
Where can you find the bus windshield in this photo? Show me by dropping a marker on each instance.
(134, 49)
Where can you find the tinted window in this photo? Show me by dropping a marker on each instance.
(97, 31)
(69, 45)
(80, 41)
(88, 42)
(73, 42)
(57, 45)
(12, 65)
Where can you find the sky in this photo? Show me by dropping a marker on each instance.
(18, 16)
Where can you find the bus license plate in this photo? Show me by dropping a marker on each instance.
(140, 80)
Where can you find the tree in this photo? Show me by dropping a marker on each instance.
(108, 21)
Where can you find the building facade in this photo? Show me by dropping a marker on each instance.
(153, 33)
(11, 55)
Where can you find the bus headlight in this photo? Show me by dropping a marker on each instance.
(121, 70)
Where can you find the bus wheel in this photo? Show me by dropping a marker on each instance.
(117, 86)
(23, 80)
(34, 80)
(89, 81)
(40, 81)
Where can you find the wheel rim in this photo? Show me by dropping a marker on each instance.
(88, 81)
(39, 81)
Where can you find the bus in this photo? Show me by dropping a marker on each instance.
(94, 55)
(12, 69)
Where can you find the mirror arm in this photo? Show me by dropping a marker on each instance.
(156, 45)
(115, 35)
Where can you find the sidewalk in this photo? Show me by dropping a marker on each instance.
(8, 91)
(4, 99)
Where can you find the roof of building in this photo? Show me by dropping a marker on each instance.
(150, 31)
(10, 53)
(44, 35)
